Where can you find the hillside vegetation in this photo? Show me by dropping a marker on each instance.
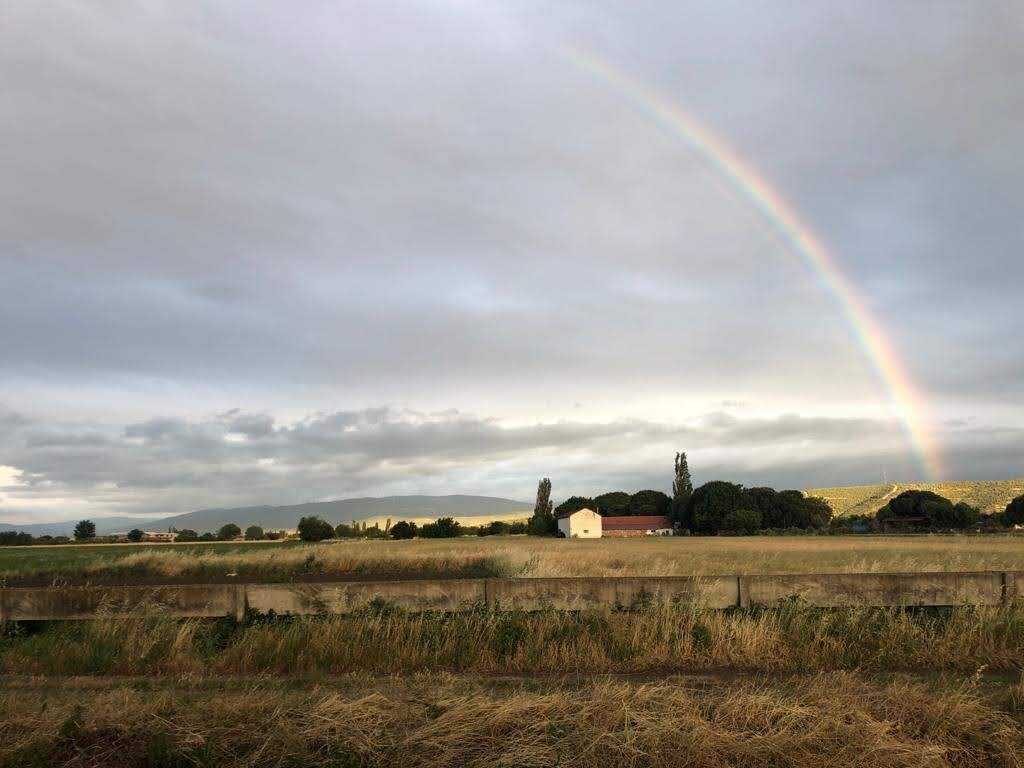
(985, 495)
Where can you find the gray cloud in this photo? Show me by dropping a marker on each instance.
(432, 206)
(171, 464)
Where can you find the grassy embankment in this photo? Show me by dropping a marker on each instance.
(521, 556)
(841, 720)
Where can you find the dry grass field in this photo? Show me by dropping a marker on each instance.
(524, 557)
(844, 720)
(655, 687)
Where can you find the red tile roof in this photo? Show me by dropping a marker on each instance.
(635, 523)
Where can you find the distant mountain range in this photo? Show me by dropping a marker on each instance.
(341, 511)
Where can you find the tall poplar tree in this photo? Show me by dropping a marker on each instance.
(543, 521)
(682, 487)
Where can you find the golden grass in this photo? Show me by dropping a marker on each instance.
(433, 722)
(529, 557)
(386, 641)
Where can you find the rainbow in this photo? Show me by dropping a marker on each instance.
(892, 374)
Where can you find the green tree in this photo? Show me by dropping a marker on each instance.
(1014, 514)
(403, 530)
(649, 503)
(229, 532)
(345, 531)
(85, 530)
(186, 534)
(442, 528)
(312, 528)
(611, 504)
(934, 511)
(543, 521)
(743, 521)
(682, 487)
(135, 535)
(818, 512)
(573, 504)
(710, 504)
(965, 516)
(254, 533)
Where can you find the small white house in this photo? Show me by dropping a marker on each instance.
(581, 524)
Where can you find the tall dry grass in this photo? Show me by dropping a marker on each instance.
(836, 720)
(523, 556)
(791, 638)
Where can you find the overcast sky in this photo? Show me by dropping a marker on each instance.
(276, 252)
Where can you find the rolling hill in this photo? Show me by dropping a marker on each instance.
(419, 508)
(986, 495)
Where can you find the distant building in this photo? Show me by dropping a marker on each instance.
(637, 525)
(587, 524)
(581, 524)
(158, 536)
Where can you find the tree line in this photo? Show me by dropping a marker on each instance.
(723, 507)
(928, 511)
(313, 528)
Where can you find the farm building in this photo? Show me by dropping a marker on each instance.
(587, 524)
(581, 524)
(636, 525)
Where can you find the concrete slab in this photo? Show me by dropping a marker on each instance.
(588, 593)
(876, 589)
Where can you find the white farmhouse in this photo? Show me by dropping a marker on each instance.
(581, 524)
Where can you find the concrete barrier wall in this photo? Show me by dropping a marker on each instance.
(565, 594)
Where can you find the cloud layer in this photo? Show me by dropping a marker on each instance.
(169, 464)
(430, 206)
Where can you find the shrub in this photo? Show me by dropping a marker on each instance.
(187, 534)
(345, 531)
(403, 530)
(229, 532)
(496, 528)
(135, 535)
(746, 521)
(254, 533)
(15, 538)
(442, 528)
(312, 528)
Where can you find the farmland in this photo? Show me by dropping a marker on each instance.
(658, 686)
(514, 556)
